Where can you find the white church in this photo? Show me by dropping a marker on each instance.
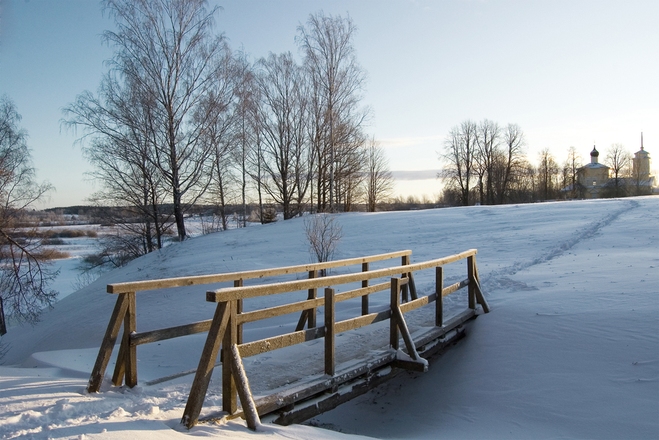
(594, 179)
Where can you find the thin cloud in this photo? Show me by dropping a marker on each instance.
(415, 175)
(409, 141)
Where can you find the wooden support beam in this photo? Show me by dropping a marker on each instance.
(308, 316)
(330, 362)
(120, 365)
(480, 298)
(206, 365)
(413, 293)
(126, 367)
(244, 391)
(109, 339)
(229, 392)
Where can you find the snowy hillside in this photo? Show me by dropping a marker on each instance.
(570, 350)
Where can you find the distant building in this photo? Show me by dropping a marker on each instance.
(592, 178)
(641, 179)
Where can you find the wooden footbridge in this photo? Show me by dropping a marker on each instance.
(315, 393)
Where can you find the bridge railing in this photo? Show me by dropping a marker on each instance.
(124, 312)
(223, 331)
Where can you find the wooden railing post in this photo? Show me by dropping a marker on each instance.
(439, 302)
(394, 304)
(312, 293)
(229, 400)
(239, 310)
(329, 332)
(471, 290)
(364, 297)
(404, 292)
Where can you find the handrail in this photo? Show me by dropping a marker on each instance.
(137, 286)
(233, 293)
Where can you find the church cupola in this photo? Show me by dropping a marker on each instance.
(594, 155)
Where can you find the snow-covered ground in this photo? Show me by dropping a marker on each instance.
(570, 349)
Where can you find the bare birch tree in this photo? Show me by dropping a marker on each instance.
(283, 132)
(168, 50)
(513, 143)
(118, 140)
(570, 168)
(487, 149)
(547, 173)
(337, 83)
(618, 159)
(379, 180)
(459, 157)
(25, 274)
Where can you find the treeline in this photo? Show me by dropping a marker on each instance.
(486, 163)
(181, 120)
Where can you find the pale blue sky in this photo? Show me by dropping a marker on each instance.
(570, 73)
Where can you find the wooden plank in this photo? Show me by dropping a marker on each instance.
(311, 386)
(109, 339)
(438, 346)
(253, 348)
(170, 332)
(328, 402)
(416, 303)
(455, 287)
(439, 332)
(206, 365)
(137, 286)
(361, 321)
(230, 293)
(285, 309)
(329, 332)
(244, 391)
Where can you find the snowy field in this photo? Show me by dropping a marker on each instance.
(570, 349)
